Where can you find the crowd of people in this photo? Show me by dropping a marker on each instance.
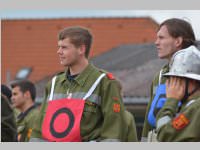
(85, 103)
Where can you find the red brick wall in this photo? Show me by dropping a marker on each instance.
(33, 43)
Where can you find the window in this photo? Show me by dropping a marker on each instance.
(23, 73)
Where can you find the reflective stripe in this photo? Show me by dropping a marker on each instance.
(58, 96)
(189, 103)
(52, 88)
(88, 94)
(162, 121)
(91, 90)
(94, 98)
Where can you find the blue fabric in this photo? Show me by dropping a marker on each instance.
(157, 104)
(158, 101)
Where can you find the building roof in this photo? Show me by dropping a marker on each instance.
(134, 65)
(127, 56)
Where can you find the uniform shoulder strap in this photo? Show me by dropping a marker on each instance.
(91, 90)
(52, 88)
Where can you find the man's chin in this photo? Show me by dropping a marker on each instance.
(162, 57)
(13, 106)
(65, 64)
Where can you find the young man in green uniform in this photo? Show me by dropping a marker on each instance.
(172, 36)
(23, 98)
(83, 103)
(176, 123)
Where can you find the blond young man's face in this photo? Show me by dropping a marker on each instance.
(68, 53)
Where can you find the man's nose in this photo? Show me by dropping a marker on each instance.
(59, 51)
(156, 42)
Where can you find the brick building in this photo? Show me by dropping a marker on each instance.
(33, 42)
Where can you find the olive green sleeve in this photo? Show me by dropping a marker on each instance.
(37, 129)
(170, 108)
(166, 129)
(132, 132)
(113, 112)
(146, 125)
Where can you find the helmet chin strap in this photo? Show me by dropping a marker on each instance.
(187, 94)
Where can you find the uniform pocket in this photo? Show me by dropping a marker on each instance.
(90, 107)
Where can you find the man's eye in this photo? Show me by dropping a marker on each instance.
(62, 47)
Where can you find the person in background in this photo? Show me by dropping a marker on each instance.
(181, 123)
(172, 35)
(8, 122)
(23, 98)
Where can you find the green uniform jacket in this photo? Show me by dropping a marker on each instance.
(100, 119)
(8, 122)
(131, 130)
(184, 125)
(25, 122)
(147, 127)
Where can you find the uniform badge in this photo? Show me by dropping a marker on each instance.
(180, 122)
(115, 98)
(29, 133)
(116, 107)
(90, 103)
(110, 76)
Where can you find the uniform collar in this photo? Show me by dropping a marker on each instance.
(81, 78)
(23, 114)
(166, 68)
(193, 97)
(70, 77)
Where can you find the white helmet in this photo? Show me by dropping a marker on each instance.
(185, 63)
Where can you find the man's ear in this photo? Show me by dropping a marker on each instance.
(27, 94)
(178, 42)
(82, 49)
